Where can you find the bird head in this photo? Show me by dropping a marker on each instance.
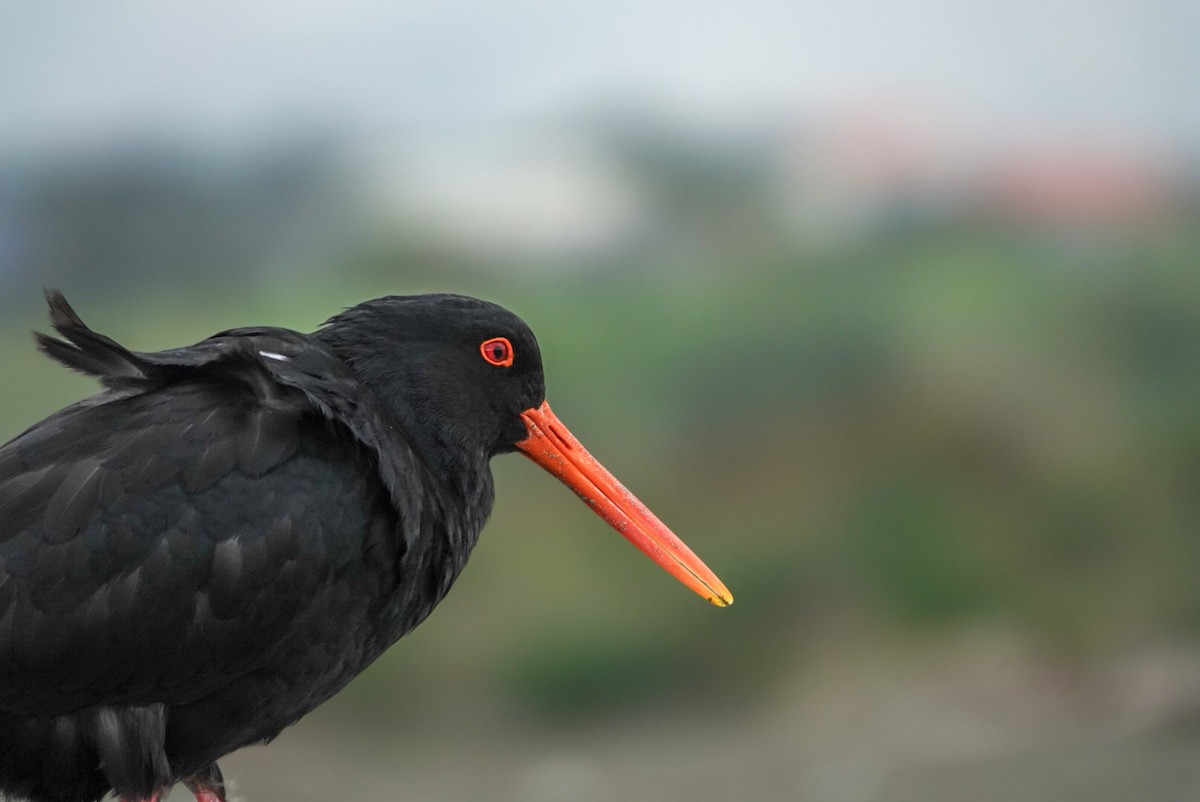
(468, 374)
(458, 367)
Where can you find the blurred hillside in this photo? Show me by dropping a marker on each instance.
(608, 189)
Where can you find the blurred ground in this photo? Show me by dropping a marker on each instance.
(981, 722)
(892, 313)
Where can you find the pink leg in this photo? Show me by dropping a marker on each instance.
(208, 785)
(203, 794)
(208, 796)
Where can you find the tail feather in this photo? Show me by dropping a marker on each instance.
(85, 350)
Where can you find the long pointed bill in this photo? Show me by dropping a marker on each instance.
(551, 445)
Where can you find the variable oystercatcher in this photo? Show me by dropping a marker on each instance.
(195, 558)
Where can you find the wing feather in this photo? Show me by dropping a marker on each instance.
(166, 536)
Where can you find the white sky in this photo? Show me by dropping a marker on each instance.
(80, 74)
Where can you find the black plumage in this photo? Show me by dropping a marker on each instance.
(196, 557)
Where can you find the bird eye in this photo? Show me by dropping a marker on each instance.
(497, 351)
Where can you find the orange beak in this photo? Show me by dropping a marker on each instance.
(551, 445)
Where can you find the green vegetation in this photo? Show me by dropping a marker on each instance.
(932, 430)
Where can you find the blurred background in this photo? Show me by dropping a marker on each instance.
(892, 311)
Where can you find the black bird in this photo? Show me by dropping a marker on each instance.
(196, 557)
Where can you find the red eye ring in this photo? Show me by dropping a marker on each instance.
(497, 351)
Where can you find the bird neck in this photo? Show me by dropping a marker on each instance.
(447, 531)
(405, 382)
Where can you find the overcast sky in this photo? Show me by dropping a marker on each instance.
(89, 74)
